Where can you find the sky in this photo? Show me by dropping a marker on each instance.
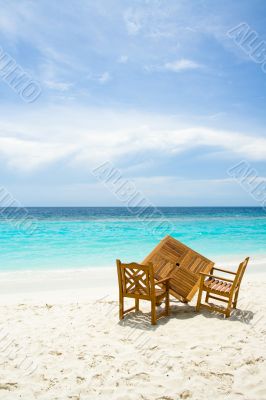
(157, 88)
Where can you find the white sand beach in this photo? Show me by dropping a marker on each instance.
(132, 131)
(60, 339)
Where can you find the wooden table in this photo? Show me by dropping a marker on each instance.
(173, 258)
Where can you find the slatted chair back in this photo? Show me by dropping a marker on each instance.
(136, 280)
(240, 272)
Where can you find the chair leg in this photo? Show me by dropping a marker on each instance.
(153, 312)
(207, 297)
(199, 299)
(167, 303)
(137, 304)
(121, 307)
(235, 299)
(229, 307)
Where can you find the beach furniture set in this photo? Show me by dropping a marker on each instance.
(174, 268)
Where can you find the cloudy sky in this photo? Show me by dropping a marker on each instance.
(156, 87)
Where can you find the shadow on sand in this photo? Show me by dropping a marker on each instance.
(141, 320)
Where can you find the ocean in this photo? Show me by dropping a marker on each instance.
(84, 237)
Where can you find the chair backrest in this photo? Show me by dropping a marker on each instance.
(136, 280)
(240, 272)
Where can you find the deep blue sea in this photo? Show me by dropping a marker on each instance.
(62, 238)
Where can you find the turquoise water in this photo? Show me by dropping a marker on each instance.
(64, 238)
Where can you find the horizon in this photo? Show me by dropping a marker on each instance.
(26, 206)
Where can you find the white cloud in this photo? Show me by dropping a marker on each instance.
(61, 86)
(50, 76)
(181, 65)
(132, 21)
(104, 78)
(159, 190)
(7, 25)
(56, 56)
(89, 136)
(27, 155)
(123, 59)
(207, 192)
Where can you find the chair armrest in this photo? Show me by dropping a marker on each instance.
(164, 281)
(224, 270)
(215, 277)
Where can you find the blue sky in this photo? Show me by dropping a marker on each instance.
(156, 87)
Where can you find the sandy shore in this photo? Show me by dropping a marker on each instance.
(60, 339)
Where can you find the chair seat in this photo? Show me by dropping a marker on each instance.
(140, 291)
(217, 285)
(221, 289)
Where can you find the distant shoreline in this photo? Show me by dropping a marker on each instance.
(86, 283)
(257, 261)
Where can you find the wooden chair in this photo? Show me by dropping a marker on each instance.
(137, 281)
(224, 289)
